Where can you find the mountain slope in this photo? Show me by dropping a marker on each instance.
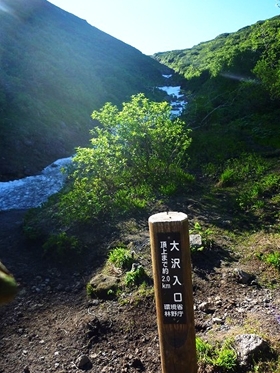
(233, 88)
(236, 52)
(55, 69)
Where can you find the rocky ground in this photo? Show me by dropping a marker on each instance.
(52, 326)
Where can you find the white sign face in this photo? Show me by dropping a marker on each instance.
(171, 278)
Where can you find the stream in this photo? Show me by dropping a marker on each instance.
(32, 191)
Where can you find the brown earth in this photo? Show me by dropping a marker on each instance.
(52, 323)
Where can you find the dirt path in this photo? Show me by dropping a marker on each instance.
(51, 323)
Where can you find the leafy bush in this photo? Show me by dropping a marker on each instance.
(136, 154)
(136, 276)
(121, 258)
(274, 259)
(61, 245)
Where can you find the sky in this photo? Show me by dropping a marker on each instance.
(163, 25)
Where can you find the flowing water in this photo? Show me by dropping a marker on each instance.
(32, 191)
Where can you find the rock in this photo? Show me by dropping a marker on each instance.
(102, 286)
(137, 364)
(243, 277)
(205, 307)
(83, 362)
(195, 240)
(249, 348)
(217, 320)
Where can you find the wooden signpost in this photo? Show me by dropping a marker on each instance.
(169, 234)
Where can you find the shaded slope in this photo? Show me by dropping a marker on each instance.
(55, 69)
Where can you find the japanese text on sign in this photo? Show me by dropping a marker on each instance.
(171, 278)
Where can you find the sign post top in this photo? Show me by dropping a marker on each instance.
(169, 216)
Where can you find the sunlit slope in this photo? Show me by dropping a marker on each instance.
(236, 52)
(232, 85)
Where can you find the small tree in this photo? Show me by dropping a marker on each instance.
(135, 154)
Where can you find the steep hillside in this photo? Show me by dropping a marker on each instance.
(55, 69)
(236, 52)
(233, 89)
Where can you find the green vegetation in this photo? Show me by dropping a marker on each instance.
(271, 258)
(123, 278)
(121, 258)
(253, 176)
(136, 276)
(231, 83)
(137, 154)
(250, 53)
(205, 237)
(62, 246)
(222, 356)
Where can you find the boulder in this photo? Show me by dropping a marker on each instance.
(103, 286)
(195, 240)
(250, 348)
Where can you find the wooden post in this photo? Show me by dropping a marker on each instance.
(169, 234)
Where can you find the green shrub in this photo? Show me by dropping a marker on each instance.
(121, 258)
(135, 154)
(61, 245)
(253, 193)
(219, 356)
(205, 234)
(135, 277)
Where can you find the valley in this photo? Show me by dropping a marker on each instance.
(68, 88)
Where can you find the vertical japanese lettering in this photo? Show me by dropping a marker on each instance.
(171, 278)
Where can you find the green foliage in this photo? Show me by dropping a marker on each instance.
(251, 177)
(204, 350)
(226, 358)
(245, 167)
(136, 154)
(121, 258)
(222, 356)
(213, 56)
(62, 246)
(272, 258)
(254, 192)
(136, 276)
(253, 50)
(89, 290)
(230, 82)
(267, 37)
(205, 234)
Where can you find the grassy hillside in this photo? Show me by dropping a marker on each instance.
(55, 69)
(233, 88)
